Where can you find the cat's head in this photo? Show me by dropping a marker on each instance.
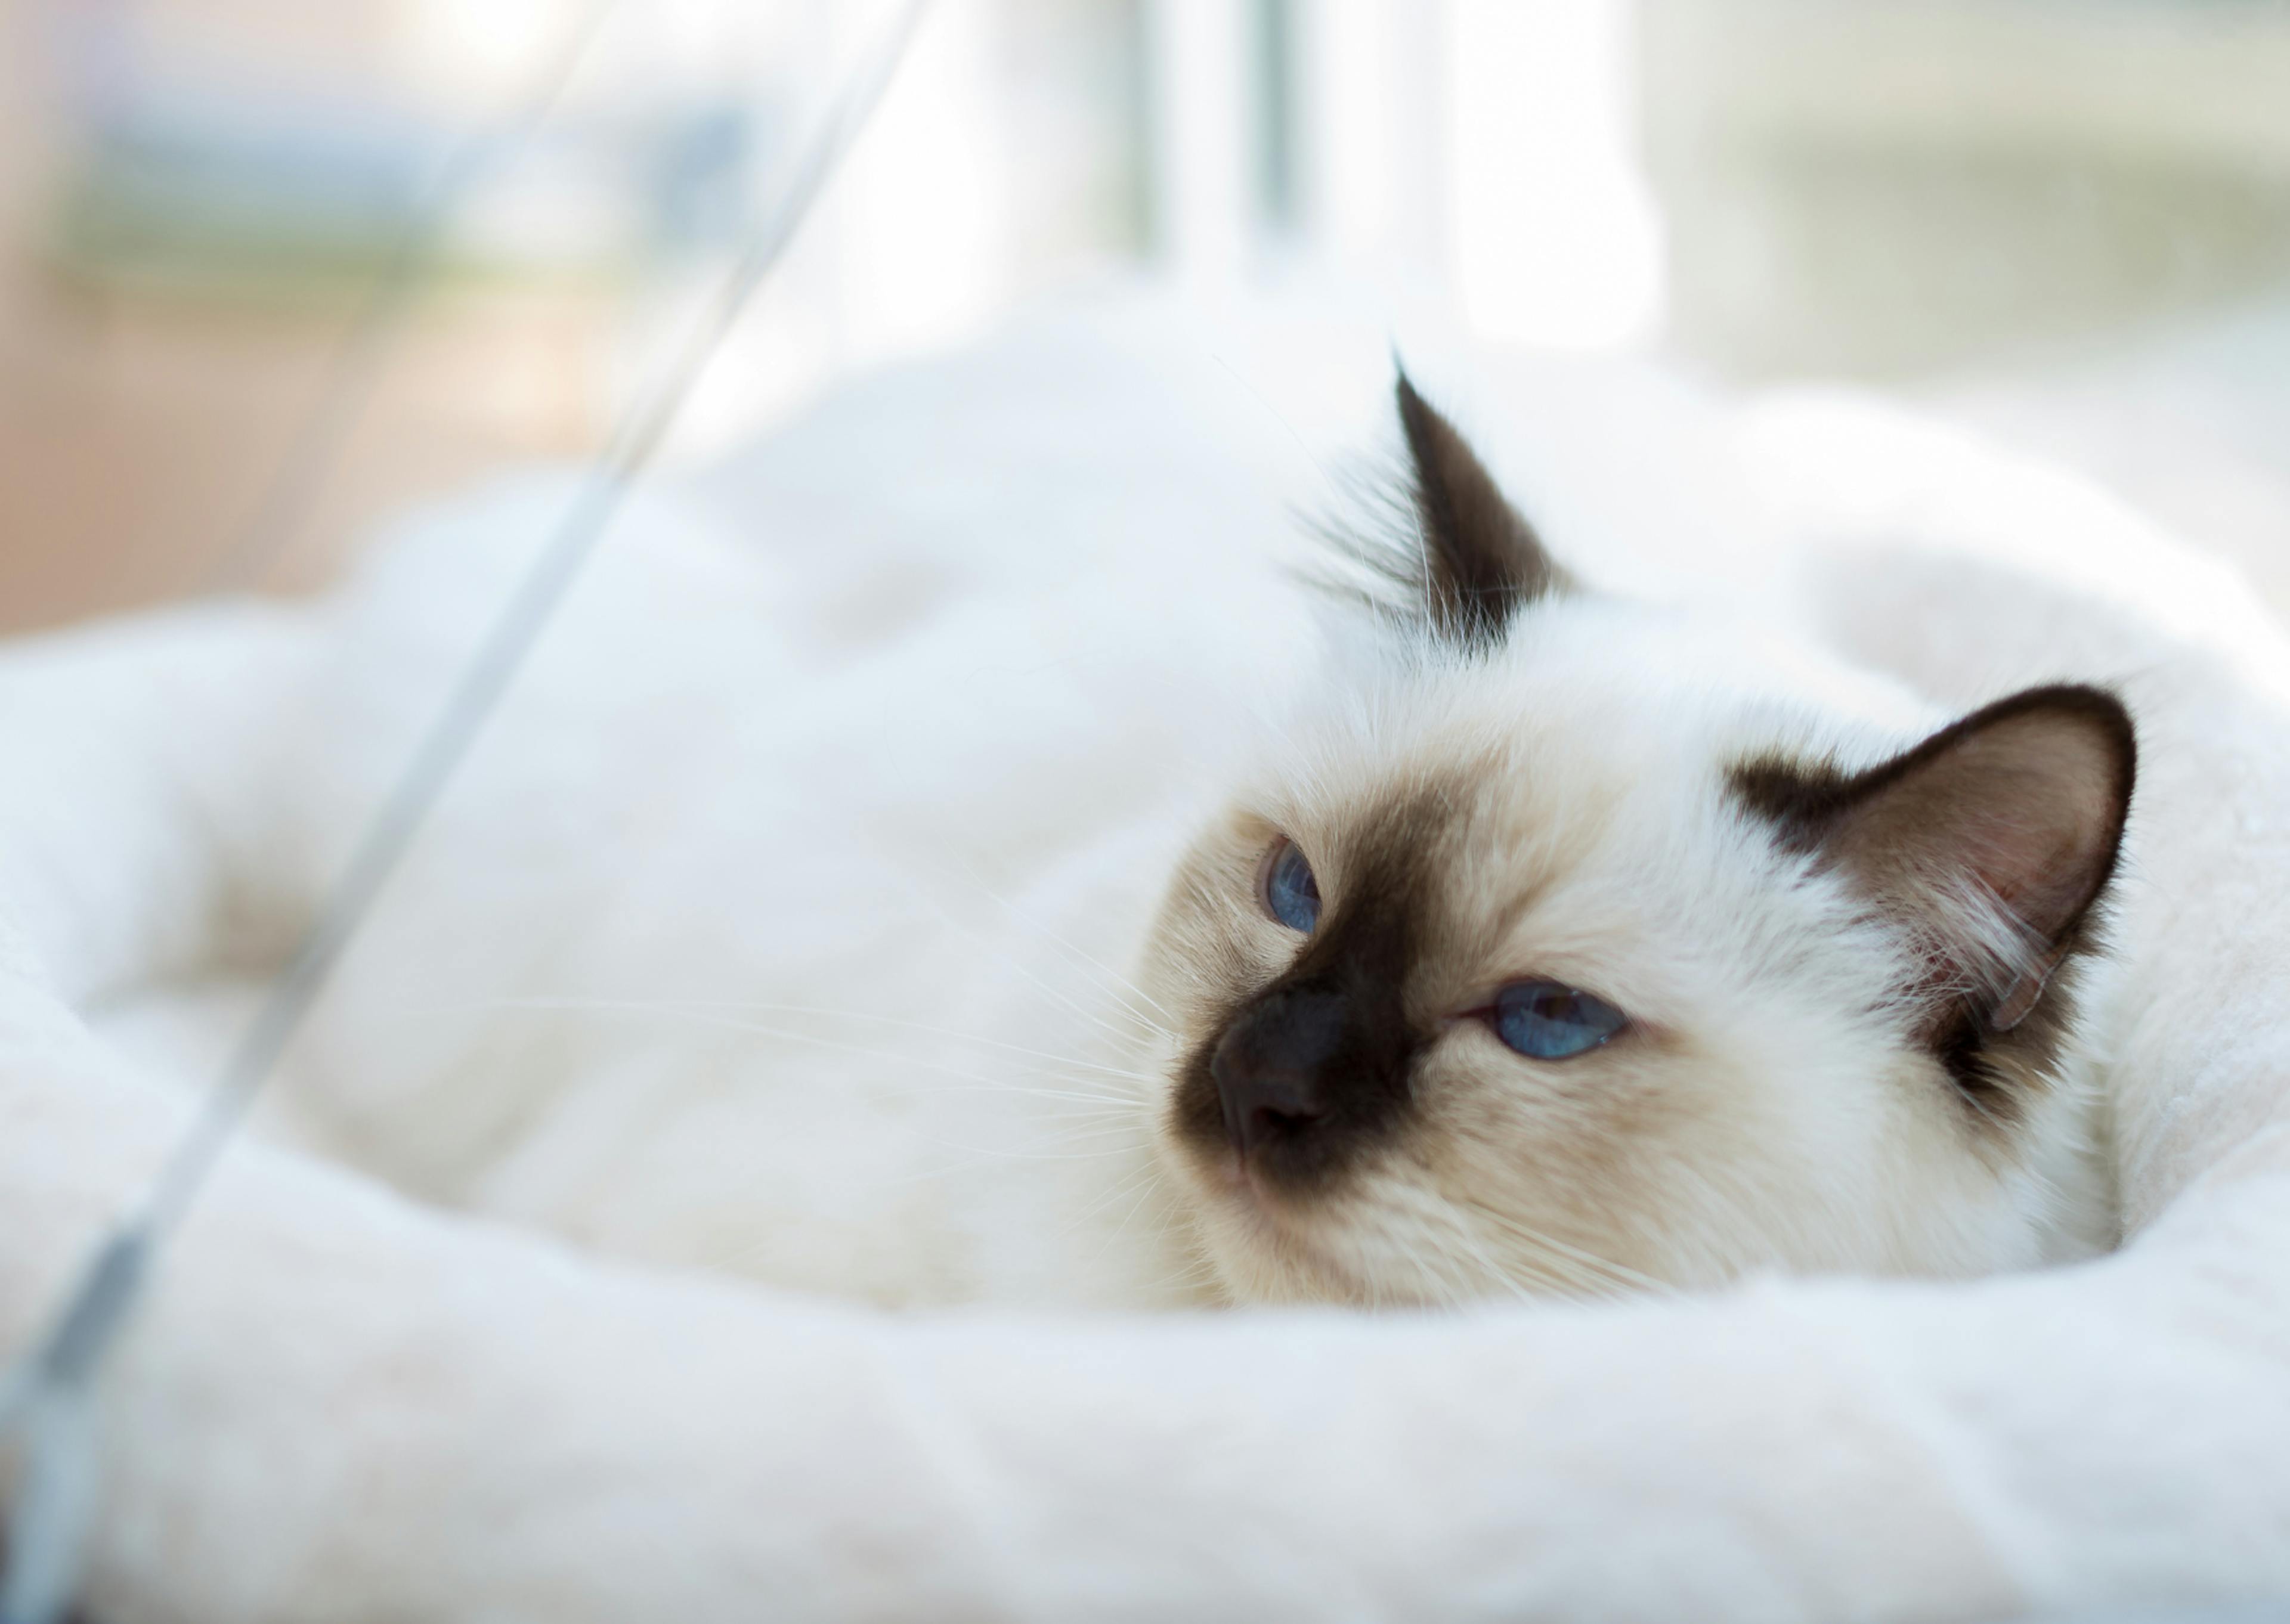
(1565, 946)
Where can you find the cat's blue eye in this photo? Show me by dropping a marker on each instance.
(1289, 892)
(1545, 1020)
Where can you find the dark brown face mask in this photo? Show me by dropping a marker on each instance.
(1311, 1071)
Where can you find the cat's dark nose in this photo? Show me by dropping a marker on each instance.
(1272, 1067)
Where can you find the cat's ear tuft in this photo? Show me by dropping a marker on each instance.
(1991, 841)
(1482, 560)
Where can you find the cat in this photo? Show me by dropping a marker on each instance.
(1567, 947)
(1551, 943)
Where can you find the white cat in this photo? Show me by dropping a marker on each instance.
(1555, 943)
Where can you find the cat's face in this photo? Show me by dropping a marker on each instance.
(1556, 954)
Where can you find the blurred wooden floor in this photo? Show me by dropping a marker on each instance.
(138, 443)
(138, 437)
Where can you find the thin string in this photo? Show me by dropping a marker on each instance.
(46, 1401)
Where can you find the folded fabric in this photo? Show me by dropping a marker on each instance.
(341, 1402)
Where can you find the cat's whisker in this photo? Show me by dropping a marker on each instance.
(1072, 1005)
(1107, 1108)
(1075, 1113)
(1084, 1088)
(1143, 1176)
(712, 1007)
(1195, 1276)
(1121, 1228)
(1448, 1289)
(735, 1258)
(790, 1034)
(1496, 1280)
(950, 1032)
(998, 1154)
(1091, 1129)
(1426, 1207)
(1618, 1274)
(1574, 1277)
(1552, 1266)
(1123, 987)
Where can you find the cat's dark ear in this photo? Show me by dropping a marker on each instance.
(1991, 842)
(1482, 560)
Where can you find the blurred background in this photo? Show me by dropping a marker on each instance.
(470, 225)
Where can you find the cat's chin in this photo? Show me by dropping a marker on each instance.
(1258, 1259)
(1265, 1248)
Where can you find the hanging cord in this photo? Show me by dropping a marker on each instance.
(357, 363)
(47, 1400)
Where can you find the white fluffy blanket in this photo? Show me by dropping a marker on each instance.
(344, 1403)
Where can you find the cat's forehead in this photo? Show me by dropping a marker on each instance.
(1592, 713)
(1559, 815)
(1444, 761)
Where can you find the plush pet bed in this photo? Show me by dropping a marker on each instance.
(342, 1402)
